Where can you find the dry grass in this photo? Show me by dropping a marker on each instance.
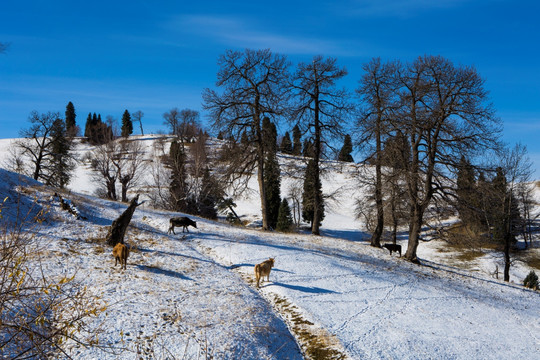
(316, 343)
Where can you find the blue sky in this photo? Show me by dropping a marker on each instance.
(108, 56)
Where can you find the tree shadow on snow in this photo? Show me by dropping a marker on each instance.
(305, 289)
(160, 271)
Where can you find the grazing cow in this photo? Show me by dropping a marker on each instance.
(120, 253)
(181, 221)
(263, 269)
(393, 247)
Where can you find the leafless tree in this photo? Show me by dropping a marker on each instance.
(253, 84)
(37, 145)
(171, 119)
(321, 109)
(516, 166)
(377, 94)
(444, 112)
(103, 163)
(130, 164)
(189, 125)
(160, 176)
(137, 116)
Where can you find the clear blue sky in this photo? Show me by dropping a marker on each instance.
(108, 56)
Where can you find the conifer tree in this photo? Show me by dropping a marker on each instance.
(286, 144)
(308, 149)
(88, 126)
(71, 126)
(127, 124)
(61, 163)
(346, 150)
(308, 196)
(272, 181)
(285, 221)
(467, 195)
(211, 194)
(297, 141)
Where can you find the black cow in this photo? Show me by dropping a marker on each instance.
(181, 221)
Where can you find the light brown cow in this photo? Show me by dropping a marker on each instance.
(120, 253)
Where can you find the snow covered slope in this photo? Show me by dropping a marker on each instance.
(193, 296)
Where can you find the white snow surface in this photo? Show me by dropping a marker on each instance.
(193, 296)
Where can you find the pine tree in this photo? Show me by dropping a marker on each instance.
(211, 194)
(308, 150)
(272, 181)
(127, 124)
(286, 144)
(297, 141)
(71, 126)
(285, 221)
(467, 195)
(88, 126)
(346, 150)
(308, 196)
(61, 166)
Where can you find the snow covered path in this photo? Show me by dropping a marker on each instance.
(380, 307)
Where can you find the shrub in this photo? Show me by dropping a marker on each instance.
(531, 281)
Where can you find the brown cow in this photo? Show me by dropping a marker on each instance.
(120, 253)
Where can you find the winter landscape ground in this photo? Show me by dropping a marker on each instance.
(192, 296)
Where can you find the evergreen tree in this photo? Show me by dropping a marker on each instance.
(308, 150)
(286, 144)
(71, 126)
(297, 141)
(272, 181)
(61, 164)
(346, 150)
(308, 196)
(285, 221)
(244, 140)
(127, 124)
(178, 186)
(467, 195)
(88, 126)
(211, 194)
(220, 135)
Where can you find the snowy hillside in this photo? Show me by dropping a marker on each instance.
(329, 297)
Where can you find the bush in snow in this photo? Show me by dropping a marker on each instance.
(531, 281)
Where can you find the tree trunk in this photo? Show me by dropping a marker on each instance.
(315, 225)
(507, 258)
(117, 231)
(260, 172)
(376, 237)
(414, 235)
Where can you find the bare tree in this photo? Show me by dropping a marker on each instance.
(103, 163)
(322, 110)
(160, 176)
(189, 125)
(137, 116)
(516, 167)
(130, 165)
(171, 119)
(377, 94)
(37, 145)
(443, 113)
(253, 84)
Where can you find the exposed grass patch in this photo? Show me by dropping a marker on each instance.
(316, 343)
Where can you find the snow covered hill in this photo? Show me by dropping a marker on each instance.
(329, 297)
